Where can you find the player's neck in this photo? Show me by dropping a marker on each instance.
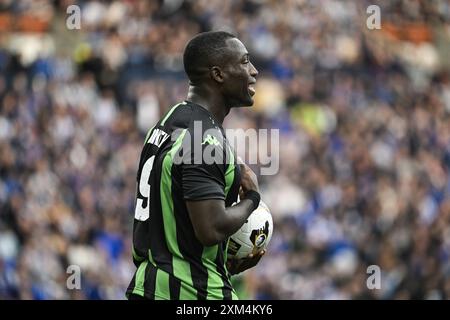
(208, 100)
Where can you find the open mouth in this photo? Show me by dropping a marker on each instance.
(251, 89)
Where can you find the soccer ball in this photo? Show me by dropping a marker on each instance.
(254, 235)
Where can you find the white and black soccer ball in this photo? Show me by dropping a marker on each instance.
(254, 235)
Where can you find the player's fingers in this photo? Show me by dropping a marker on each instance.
(253, 262)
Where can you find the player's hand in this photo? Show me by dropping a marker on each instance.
(236, 266)
(248, 178)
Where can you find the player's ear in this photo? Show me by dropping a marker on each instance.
(216, 74)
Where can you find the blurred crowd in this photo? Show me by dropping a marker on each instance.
(364, 120)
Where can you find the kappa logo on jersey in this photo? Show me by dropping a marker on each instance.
(158, 137)
(212, 140)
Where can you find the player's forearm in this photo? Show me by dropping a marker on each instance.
(234, 217)
(213, 222)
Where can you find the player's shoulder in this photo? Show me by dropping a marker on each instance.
(198, 123)
(186, 114)
(200, 115)
(201, 122)
(178, 116)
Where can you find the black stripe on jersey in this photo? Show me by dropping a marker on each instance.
(226, 289)
(174, 287)
(150, 281)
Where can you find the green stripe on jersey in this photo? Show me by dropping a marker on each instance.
(150, 258)
(170, 112)
(181, 268)
(215, 282)
(140, 278)
(162, 291)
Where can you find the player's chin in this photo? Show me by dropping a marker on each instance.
(245, 100)
(248, 101)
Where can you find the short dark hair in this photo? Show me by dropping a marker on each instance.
(203, 51)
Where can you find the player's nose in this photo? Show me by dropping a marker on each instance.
(253, 71)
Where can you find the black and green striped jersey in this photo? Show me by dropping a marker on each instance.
(171, 262)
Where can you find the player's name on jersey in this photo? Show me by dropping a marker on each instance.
(158, 137)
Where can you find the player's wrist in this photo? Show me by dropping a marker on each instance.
(254, 196)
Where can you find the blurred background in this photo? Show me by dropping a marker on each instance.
(364, 120)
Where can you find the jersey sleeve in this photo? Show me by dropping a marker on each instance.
(203, 167)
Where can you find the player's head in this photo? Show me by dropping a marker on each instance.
(220, 59)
